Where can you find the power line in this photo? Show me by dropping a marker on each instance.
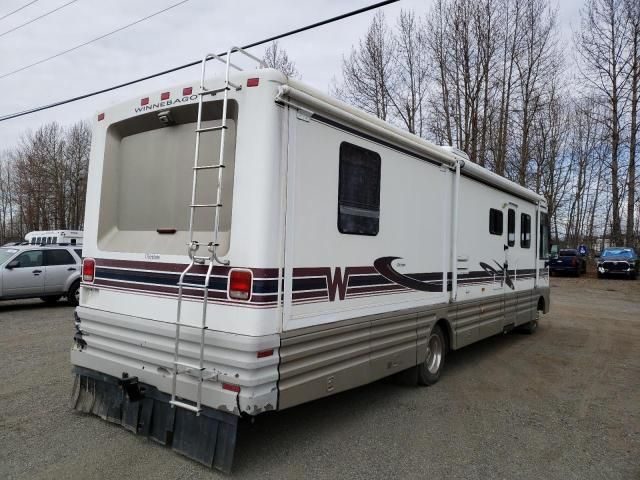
(4, 75)
(196, 62)
(18, 9)
(37, 18)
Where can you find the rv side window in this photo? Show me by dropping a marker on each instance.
(511, 227)
(358, 191)
(495, 222)
(525, 230)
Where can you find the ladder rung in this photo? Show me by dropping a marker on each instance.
(186, 406)
(208, 167)
(196, 285)
(189, 365)
(214, 91)
(204, 205)
(211, 129)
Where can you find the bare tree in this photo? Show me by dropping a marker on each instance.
(632, 12)
(368, 73)
(601, 44)
(276, 57)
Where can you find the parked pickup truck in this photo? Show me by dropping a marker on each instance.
(568, 260)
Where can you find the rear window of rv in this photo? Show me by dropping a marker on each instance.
(147, 180)
(495, 222)
(358, 191)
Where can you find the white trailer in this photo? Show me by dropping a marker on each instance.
(310, 249)
(72, 237)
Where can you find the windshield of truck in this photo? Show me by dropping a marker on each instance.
(147, 181)
(618, 252)
(6, 254)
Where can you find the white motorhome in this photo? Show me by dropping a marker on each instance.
(310, 249)
(72, 237)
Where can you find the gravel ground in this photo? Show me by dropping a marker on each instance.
(563, 403)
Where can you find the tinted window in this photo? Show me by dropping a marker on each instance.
(29, 259)
(358, 191)
(545, 235)
(495, 222)
(511, 227)
(78, 252)
(525, 230)
(58, 257)
(568, 253)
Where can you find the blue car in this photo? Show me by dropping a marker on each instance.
(568, 261)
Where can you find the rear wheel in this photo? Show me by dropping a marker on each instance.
(73, 296)
(51, 299)
(430, 370)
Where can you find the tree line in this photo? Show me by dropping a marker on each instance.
(43, 181)
(496, 79)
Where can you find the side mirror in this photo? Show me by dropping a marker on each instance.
(13, 264)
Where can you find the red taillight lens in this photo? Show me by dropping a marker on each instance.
(231, 387)
(144, 101)
(240, 284)
(265, 353)
(253, 82)
(187, 91)
(574, 261)
(88, 269)
(165, 96)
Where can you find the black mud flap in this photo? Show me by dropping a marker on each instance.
(209, 438)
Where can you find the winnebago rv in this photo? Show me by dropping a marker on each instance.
(309, 248)
(72, 237)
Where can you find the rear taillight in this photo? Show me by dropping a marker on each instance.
(253, 82)
(574, 261)
(88, 269)
(240, 284)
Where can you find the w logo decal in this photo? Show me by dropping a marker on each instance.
(337, 283)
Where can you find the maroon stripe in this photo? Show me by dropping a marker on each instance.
(180, 267)
(380, 288)
(324, 271)
(306, 295)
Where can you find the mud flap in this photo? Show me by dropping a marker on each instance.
(209, 438)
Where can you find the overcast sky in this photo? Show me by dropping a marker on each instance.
(175, 37)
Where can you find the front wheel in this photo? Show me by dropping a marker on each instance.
(73, 296)
(430, 370)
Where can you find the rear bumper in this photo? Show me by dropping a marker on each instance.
(117, 345)
(209, 438)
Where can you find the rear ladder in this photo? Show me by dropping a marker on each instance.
(180, 367)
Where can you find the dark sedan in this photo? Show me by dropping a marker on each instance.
(618, 261)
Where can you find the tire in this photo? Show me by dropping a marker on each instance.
(430, 370)
(73, 295)
(529, 327)
(51, 299)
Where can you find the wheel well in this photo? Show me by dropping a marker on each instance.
(444, 325)
(541, 304)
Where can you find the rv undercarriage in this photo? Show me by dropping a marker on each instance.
(208, 438)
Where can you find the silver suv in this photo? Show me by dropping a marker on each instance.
(45, 271)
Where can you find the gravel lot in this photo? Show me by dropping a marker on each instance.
(563, 403)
